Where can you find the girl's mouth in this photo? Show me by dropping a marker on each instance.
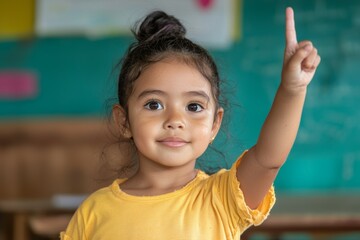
(173, 142)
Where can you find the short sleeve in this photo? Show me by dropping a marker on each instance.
(255, 216)
(240, 215)
(63, 236)
(75, 229)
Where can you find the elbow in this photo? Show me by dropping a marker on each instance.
(269, 160)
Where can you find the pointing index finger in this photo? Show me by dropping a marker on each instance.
(290, 32)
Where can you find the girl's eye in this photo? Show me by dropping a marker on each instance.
(153, 105)
(195, 107)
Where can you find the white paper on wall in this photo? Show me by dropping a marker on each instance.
(209, 22)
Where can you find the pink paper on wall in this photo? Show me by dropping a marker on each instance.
(17, 84)
(205, 4)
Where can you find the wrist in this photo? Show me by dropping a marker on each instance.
(293, 90)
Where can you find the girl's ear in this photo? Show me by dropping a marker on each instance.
(120, 119)
(217, 123)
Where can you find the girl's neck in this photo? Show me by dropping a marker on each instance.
(147, 182)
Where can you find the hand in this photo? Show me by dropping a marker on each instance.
(300, 59)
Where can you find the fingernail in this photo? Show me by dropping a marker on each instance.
(308, 47)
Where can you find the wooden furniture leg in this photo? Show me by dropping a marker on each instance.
(21, 231)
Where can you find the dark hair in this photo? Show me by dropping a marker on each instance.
(161, 36)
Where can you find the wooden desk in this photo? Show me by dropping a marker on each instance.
(42, 157)
(19, 212)
(319, 216)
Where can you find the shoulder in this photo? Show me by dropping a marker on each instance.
(101, 196)
(221, 175)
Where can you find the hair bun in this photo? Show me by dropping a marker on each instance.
(158, 24)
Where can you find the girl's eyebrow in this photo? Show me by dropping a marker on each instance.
(199, 93)
(150, 92)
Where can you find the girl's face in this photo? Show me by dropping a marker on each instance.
(172, 116)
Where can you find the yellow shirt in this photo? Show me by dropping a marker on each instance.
(209, 207)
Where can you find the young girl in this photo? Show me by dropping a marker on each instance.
(169, 109)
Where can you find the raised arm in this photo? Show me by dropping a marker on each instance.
(259, 167)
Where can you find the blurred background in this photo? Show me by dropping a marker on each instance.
(58, 80)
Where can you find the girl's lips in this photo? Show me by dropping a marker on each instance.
(173, 142)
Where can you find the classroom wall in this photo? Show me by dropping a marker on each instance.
(76, 78)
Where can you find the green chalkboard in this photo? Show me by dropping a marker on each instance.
(76, 79)
(327, 150)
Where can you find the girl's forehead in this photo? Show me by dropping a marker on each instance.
(171, 76)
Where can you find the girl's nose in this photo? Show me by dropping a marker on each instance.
(174, 120)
